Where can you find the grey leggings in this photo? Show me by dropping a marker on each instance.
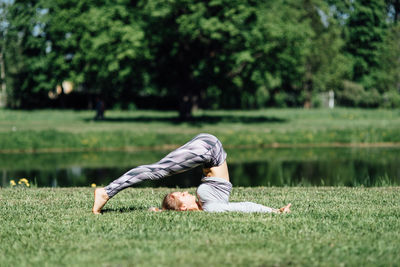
(204, 149)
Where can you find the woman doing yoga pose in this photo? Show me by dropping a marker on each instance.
(213, 193)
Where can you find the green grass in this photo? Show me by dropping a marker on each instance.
(328, 227)
(55, 130)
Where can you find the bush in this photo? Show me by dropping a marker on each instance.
(371, 99)
(391, 99)
(354, 95)
(316, 101)
(280, 99)
(262, 97)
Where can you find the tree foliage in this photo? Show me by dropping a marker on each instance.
(196, 53)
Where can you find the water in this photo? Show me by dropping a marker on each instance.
(247, 167)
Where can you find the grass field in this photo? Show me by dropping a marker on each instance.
(328, 227)
(55, 130)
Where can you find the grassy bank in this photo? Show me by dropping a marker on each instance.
(328, 226)
(51, 130)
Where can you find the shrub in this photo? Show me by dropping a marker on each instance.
(391, 99)
(371, 99)
(280, 99)
(355, 95)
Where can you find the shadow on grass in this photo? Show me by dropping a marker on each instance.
(196, 120)
(122, 210)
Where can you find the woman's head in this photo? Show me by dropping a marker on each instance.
(180, 201)
(170, 202)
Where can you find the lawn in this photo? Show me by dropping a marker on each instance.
(329, 226)
(56, 130)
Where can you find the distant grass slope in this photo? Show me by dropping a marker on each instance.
(328, 227)
(55, 130)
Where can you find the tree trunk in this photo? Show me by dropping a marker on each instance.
(189, 97)
(396, 5)
(186, 106)
(3, 102)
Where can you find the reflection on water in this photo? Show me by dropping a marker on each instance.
(247, 167)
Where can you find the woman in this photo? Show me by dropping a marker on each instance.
(213, 193)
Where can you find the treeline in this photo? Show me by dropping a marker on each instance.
(209, 54)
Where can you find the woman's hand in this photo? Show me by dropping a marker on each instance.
(154, 209)
(285, 209)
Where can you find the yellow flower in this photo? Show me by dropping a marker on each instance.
(12, 183)
(23, 180)
(93, 185)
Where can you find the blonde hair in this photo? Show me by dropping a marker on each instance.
(170, 203)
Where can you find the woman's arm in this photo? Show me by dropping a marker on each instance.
(244, 207)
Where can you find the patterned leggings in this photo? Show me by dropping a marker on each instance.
(204, 149)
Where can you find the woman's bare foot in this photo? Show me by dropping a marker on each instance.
(285, 209)
(100, 199)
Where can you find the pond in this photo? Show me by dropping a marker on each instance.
(247, 167)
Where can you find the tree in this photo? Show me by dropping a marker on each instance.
(393, 10)
(25, 64)
(98, 45)
(326, 66)
(372, 49)
(366, 27)
(231, 54)
(3, 34)
(387, 76)
(195, 53)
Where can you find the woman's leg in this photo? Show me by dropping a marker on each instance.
(203, 149)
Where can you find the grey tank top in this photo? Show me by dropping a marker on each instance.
(214, 193)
